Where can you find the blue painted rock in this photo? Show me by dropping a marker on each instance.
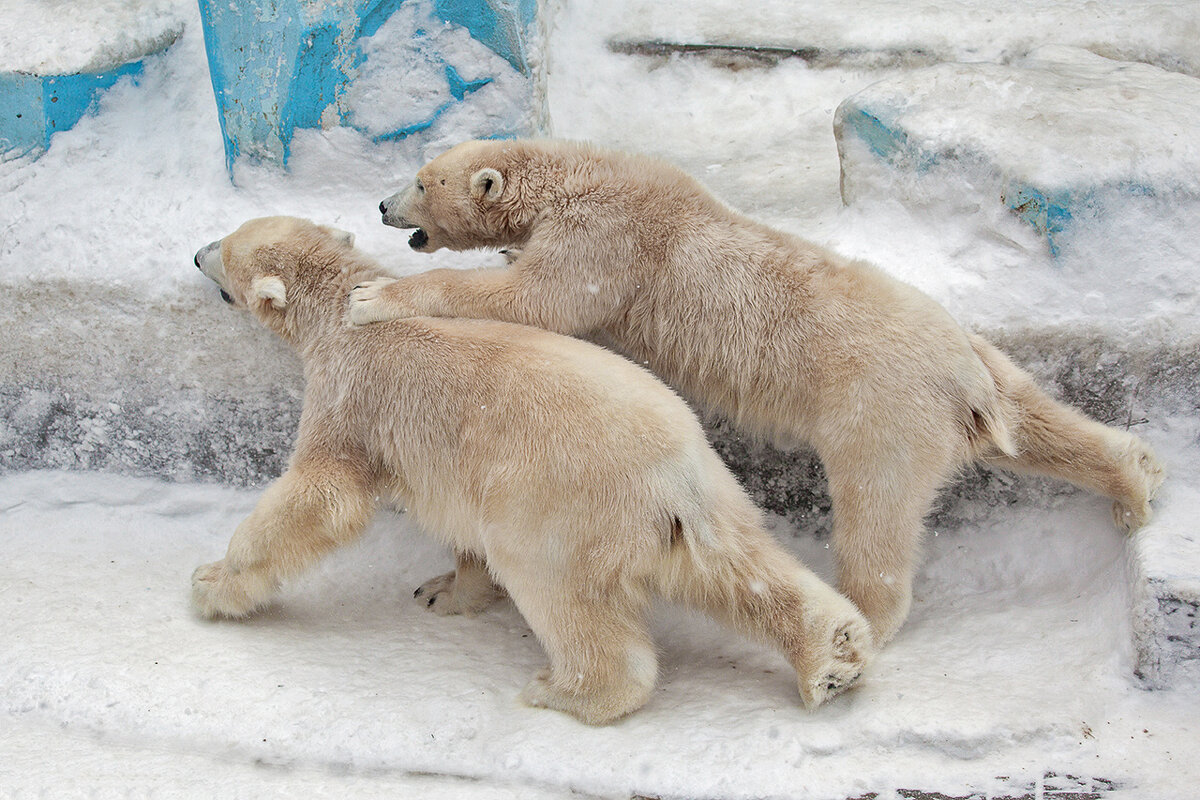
(1058, 137)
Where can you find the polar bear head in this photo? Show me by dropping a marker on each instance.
(479, 194)
(257, 266)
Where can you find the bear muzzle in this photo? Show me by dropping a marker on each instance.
(392, 210)
(204, 261)
(392, 218)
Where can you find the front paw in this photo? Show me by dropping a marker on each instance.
(368, 303)
(218, 591)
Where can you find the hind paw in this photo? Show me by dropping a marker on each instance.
(837, 658)
(1146, 473)
(447, 594)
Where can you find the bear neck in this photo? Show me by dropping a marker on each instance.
(323, 282)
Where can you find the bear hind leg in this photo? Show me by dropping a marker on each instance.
(878, 521)
(746, 580)
(1056, 440)
(603, 664)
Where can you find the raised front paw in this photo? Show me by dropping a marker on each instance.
(368, 303)
(447, 595)
(218, 591)
(837, 652)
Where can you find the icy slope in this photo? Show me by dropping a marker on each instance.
(1015, 663)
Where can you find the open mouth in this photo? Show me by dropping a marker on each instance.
(418, 239)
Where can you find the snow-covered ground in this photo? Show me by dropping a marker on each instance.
(1017, 662)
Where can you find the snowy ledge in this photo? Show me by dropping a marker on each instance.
(877, 35)
(181, 389)
(61, 38)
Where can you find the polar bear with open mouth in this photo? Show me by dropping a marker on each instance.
(790, 341)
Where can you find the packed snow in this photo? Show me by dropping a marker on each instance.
(404, 82)
(1014, 671)
(1106, 147)
(1015, 664)
(1098, 105)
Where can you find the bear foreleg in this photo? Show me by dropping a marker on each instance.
(312, 508)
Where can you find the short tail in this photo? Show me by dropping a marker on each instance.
(994, 417)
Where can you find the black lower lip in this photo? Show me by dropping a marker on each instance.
(418, 239)
(225, 296)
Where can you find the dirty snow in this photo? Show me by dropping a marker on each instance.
(1166, 32)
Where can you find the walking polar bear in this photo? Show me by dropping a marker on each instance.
(790, 341)
(583, 483)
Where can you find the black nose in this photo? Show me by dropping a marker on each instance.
(196, 260)
(383, 206)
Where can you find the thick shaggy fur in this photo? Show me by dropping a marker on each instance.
(556, 470)
(790, 341)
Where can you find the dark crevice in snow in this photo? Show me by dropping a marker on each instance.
(740, 56)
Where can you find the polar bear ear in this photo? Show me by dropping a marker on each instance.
(339, 235)
(270, 288)
(487, 184)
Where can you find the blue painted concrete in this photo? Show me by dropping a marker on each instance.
(888, 142)
(279, 65)
(459, 89)
(1050, 212)
(35, 107)
(500, 24)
